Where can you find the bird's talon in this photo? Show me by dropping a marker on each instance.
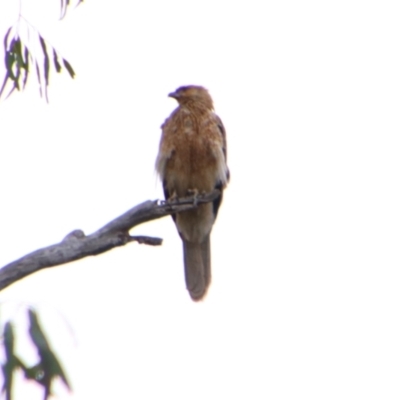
(195, 194)
(173, 198)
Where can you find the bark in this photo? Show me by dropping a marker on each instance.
(77, 245)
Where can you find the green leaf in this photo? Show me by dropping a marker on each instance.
(18, 53)
(64, 6)
(6, 38)
(39, 78)
(46, 60)
(12, 362)
(17, 76)
(48, 361)
(17, 58)
(9, 60)
(57, 65)
(67, 65)
(63, 9)
(8, 340)
(26, 68)
(4, 85)
(10, 92)
(18, 62)
(9, 64)
(35, 373)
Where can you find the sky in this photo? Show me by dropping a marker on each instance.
(305, 299)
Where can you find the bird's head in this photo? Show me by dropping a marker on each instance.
(192, 95)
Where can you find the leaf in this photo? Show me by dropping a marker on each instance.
(6, 38)
(9, 93)
(3, 85)
(17, 58)
(36, 332)
(57, 65)
(26, 55)
(8, 336)
(39, 78)
(63, 9)
(12, 362)
(19, 62)
(17, 76)
(18, 53)
(8, 340)
(26, 68)
(35, 373)
(46, 60)
(9, 64)
(64, 6)
(67, 65)
(48, 361)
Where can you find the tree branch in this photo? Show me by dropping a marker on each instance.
(116, 233)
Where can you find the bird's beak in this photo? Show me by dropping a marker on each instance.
(174, 95)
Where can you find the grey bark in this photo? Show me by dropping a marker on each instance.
(77, 245)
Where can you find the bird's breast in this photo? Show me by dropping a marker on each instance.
(192, 165)
(192, 156)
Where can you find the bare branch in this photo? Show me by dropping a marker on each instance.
(116, 233)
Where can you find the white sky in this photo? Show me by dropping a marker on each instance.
(305, 299)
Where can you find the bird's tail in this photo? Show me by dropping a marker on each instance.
(197, 260)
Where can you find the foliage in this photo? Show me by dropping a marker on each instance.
(43, 372)
(22, 53)
(21, 56)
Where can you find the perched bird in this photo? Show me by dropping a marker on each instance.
(192, 159)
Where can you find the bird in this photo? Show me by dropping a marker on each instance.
(192, 158)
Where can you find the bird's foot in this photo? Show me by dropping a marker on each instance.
(195, 194)
(173, 198)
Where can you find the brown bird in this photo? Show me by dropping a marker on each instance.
(192, 158)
